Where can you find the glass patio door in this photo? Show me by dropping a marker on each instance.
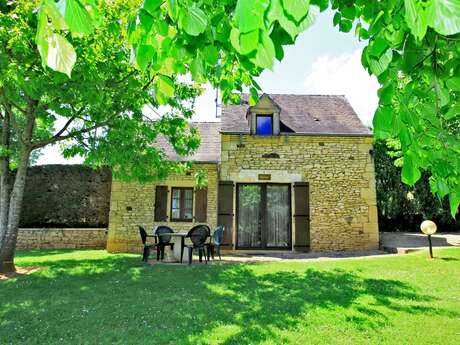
(249, 216)
(278, 216)
(264, 216)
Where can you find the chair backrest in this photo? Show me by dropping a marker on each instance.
(198, 234)
(143, 234)
(218, 235)
(163, 229)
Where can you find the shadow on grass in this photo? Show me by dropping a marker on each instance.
(117, 300)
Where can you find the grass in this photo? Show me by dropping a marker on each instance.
(91, 297)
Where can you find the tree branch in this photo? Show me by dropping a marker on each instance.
(10, 113)
(56, 139)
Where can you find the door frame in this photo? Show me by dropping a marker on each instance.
(264, 212)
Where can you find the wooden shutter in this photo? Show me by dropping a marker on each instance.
(302, 215)
(161, 204)
(225, 210)
(201, 205)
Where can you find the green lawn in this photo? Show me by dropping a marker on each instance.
(91, 297)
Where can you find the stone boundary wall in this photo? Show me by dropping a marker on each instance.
(66, 196)
(59, 238)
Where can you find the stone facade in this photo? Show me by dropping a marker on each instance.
(132, 204)
(58, 238)
(340, 172)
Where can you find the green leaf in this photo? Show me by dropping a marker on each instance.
(193, 21)
(454, 201)
(152, 6)
(453, 83)
(416, 18)
(76, 16)
(405, 138)
(172, 9)
(197, 69)
(249, 14)
(444, 16)
(144, 55)
(296, 8)
(235, 39)
(345, 25)
(211, 55)
(265, 52)
(61, 55)
(253, 97)
(165, 85)
(249, 42)
(410, 172)
(383, 123)
(377, 47)
(453, 112)
(310, 19)
(337, 18)
(58, 21)
(379, 66)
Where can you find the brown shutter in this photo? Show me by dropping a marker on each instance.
(225, 210)
(201, 205)
(161, 204)
(302, 215)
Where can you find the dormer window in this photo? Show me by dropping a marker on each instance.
(264, 117)
(264, 124)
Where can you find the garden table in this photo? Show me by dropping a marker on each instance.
(178, 252)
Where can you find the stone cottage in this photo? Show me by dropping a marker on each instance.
(293, 172)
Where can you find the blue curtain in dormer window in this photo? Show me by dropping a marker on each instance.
(264, 125)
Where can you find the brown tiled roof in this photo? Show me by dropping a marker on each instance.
(209, 150)
(304, 114)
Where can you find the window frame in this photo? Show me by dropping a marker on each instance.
(272, 124)
(181, 208)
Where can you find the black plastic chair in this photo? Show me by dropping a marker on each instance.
(144, 236)
(198, 235)
(216, 241)
(163, 240)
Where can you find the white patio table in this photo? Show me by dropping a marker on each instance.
(176, 255)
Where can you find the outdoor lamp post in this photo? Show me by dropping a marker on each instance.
(428, 227)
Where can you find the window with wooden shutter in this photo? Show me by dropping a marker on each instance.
(302, 215)
(161, 204)
(225, 210)
(201, 205)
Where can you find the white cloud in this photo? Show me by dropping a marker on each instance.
(344, 75)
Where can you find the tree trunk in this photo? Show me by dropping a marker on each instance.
(8, 247)
(4, 176)
(13, 206)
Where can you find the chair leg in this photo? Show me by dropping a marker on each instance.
(212, 252)
(162, 253)
(218, 252)
(190, 252)
(205, 257)
(208, 252)
(200, 254)
(158, 253)
(181, 252)
(144, 254)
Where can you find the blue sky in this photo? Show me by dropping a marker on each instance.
(323, 61)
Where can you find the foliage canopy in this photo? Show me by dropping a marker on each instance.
(413, 49)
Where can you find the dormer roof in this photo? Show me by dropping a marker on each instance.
(303, 114)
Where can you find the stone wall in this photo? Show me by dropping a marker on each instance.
(340, 172)
(57, 238)
(132, 204)
(66, 196)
